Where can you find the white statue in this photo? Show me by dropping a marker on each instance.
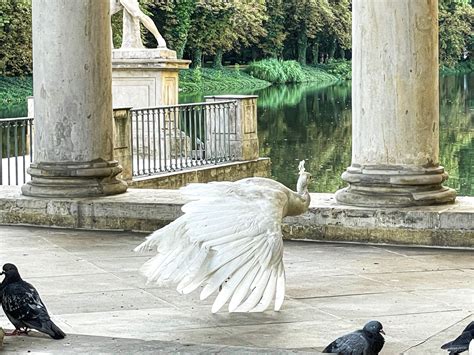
(132, 16)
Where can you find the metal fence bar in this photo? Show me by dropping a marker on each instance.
(180, 136)
(1, 154)
(23, 149)
(14, 149)
(154, 140)
(8, 153)
(160, 114)
(215, 134)
(148, 141)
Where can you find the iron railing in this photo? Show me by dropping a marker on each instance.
(176, 137)
(16, 150)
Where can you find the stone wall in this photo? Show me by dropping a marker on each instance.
(223, 172)
(145, 210)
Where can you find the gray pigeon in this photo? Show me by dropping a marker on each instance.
(461, 343)
(23, 306)
(366, 341)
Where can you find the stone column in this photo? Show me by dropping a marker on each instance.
(73, 143)
(395, 109)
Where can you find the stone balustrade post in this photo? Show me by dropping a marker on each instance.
(72, 84)
(243, 126)
(122, 144)
(395, 106)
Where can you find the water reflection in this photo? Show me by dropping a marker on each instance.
(314, 123)
(457, 131)
(306, 122)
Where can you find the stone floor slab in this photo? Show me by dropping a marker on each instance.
(90, 282)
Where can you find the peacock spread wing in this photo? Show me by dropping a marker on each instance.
(229, 238)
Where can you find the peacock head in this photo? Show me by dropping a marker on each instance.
(303, 180)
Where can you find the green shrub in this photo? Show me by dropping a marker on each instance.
(460, 68)
(14, 90)
(218, 81)
(290, 71)
(269, 70)
(293, 71)
(338, 67)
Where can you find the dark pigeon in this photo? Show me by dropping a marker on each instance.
(367, 341)
(461, 343)
(23, 306)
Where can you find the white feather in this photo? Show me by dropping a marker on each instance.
(228, 239)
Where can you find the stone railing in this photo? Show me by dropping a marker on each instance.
(163, 139)
(227, 132)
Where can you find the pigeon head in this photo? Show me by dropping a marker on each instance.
(11, 273)
(374, 327)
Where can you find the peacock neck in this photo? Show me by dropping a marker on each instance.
(298, 203)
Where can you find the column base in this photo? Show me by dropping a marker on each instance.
(85, 179)
(394, 186)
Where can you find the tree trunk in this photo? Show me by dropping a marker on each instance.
(254, 54)
(217, 63)
(342, 53)
(332, 49)
(302, 47)
(180, 49)
(197, 58)
(315, 53)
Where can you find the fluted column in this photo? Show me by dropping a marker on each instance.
(395, 106)
(72, 76)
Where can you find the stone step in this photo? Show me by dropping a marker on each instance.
(145, 210)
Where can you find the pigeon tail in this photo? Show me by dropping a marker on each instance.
(53, 330)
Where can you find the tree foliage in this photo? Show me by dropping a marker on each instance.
(240, 31)
(456, 35)
(174, 18)
(15, 38)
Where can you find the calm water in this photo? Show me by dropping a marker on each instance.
(313, 123)
(308, 122)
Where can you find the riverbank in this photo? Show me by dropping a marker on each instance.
(460, 68)
(207, 81)
(257, 76)
(218, 81)
(15, 90)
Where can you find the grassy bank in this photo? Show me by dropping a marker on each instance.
(261, 74)
(287, 72)
(213, 81)
(459, 68)
(15, 90)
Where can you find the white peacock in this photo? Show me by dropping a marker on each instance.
(229, 240)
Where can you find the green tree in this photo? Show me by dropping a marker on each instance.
(15, 38)
(243, 29)
(272, 44)
(208, 21)
(456, 38)
(174, 18)
(305, 18)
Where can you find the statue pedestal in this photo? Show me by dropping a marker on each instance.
(145, 77)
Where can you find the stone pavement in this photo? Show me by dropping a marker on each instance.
(90, 284)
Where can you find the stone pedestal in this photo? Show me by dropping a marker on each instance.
(73, 142)
(395, 108)
(145, 77)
